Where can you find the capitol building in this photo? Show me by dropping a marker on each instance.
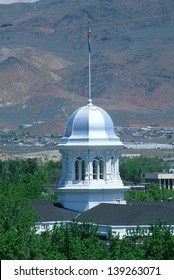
(90, 187)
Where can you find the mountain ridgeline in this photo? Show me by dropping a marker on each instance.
(44, 61)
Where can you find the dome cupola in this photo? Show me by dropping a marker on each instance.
(90, 158)
(90, 125)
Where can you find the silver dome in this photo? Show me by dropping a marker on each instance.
(90, 125)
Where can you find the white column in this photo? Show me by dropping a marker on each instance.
(90, 167)
(117, 169)
(108, 166)
(70, 167)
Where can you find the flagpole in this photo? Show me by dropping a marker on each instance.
(89, 48)
(89, 100)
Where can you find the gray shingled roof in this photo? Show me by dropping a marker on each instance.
(130, 214)
(136, 213)
(50, 211)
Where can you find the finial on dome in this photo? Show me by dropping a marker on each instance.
(89, 48)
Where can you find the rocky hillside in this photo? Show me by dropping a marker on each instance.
(44, 61)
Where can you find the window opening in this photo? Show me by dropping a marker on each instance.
(80, 169)
(95, 169)
(98, 168)
(83, 170)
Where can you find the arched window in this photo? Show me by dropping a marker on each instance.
(77, 175)
(98, 168)
(80, 169)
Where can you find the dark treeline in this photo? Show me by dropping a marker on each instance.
(152, 193)
(131, 169)
(24, 180)
(75, 241)
(20, 182)
(32, 176)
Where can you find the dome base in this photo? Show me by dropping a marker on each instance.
(82, 199)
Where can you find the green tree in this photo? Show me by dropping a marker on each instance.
(131, 169)
(155, 244)
(153, 193)
(53, 169)
(35, 184)
(11, 170)
(115, 247)
(17, 223)
(79, 241)
(159, 244)
(43, 248)
(135, 195)
(128, 247)
(36, 177)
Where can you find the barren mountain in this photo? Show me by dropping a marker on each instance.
(44, 61)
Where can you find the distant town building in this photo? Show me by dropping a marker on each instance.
(163, 179)
(130, 155)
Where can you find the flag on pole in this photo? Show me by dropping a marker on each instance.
(89, 39)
